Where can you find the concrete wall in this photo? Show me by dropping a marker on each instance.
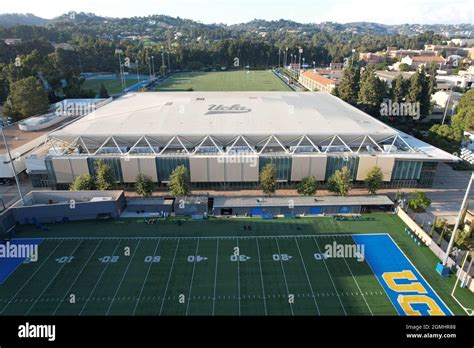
(50, 213)
(302, 166)
(214, 169)
(7, 221)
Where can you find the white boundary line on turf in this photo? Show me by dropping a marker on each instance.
(330, 277)
(261, 277)
(31, 277)
(169, 277)
(215, 279)
(192, 277)
(238, 274)
(123, 277)
(216, 237)
(146, 278)
(52, 279)
(406, 257)
(358, 287)
(77, 277)
(98, 280)
(284, 277)
(307, 276)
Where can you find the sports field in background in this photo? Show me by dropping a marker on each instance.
(219, 267)
(242, 80)
(111, 82)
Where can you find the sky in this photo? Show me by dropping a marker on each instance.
(238, 11)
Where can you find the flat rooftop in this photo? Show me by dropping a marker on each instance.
(243, 202)
(226, 114)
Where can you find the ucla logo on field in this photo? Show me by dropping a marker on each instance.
(412, 294)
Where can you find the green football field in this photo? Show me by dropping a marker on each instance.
(251, 80)
(113, 86)
(217, 267)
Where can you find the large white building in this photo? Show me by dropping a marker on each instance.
(225, 138)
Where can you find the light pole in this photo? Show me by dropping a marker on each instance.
(286, 56)
(314, 64)
(149, 67)
(122, 80)
(300, 50)
(153, 64)
(303, 61)
(447, 105)
(163, 60)
(169, 63)
(138, 76)
(458, 220)
(279, 53)
(12, 166)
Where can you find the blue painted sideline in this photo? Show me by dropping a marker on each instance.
(384, 256)
(9, 265)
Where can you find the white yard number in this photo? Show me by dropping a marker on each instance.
(240, 258)
(152, 259)
(107, 259)
(282, 257)
(64, 259)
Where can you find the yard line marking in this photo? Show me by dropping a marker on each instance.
(214, 237)
(261, 277)
(284, 277)
(31, 277)
(146, 278)
(192, 277)
(99, 279)
(123, 277)
(215, 278)
(51, 280)
(238, 273)
(169, 277)
(307, 276)
(330, 277)
(358, 287)
(77, 277)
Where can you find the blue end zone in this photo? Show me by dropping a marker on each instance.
(384, 257)
(9, 265)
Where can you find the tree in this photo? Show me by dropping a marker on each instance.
(400, 88)
(103, 93)
(268, 181)
(404, 67)
(27, 98)
(82, 183)
(307, 186)
(340, 182)
(348, 89)
(464, 118)
(433, 72)
(372, 92)
(144, 185)
(179, 184)
(374, 180)
(418, 201)
(419, 92)
(103, 176)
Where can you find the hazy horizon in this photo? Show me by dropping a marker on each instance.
(234, 12)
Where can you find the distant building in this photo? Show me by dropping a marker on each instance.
(336, 66)
(315, 82)
(371, 58)
(399, 53)
(462, 42)
(12, 42)
(417, 61)
(64, 46)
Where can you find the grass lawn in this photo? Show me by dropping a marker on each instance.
(213, 267)
(252, 80)
(113, 86)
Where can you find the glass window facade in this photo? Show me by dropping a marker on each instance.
(428, 171)
(165, 166)
(281, 163)
(50, 170)
(337, 162)
(407, 170)
(114, 163)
